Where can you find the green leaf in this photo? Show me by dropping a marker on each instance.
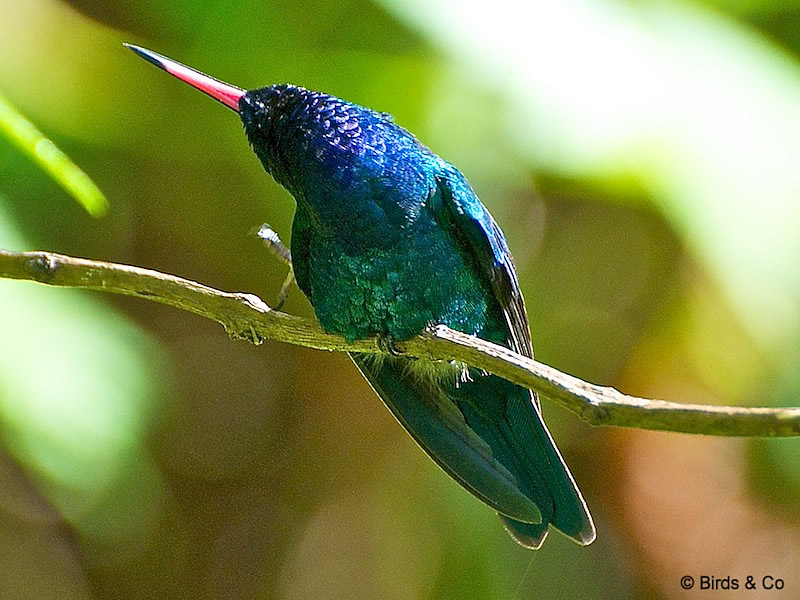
(46, 154)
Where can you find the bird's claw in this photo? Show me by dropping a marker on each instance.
(273, 242)
(386, 344)
(284, 291)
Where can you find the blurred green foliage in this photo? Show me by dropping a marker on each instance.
(640, 157)
(31, 141)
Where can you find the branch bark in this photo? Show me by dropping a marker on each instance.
(246, 316)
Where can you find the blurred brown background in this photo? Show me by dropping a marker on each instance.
(642, 160)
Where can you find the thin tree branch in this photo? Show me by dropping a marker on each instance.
(245, 316)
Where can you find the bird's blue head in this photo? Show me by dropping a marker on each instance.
(323, 149)
(306, 138)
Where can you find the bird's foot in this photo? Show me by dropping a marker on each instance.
(387, 345)
(284, 291)
(273, 242)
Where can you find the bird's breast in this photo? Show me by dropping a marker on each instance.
(395, 283)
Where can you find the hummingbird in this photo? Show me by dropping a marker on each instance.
(388, 240)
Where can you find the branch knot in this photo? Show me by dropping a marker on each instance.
(41, 267)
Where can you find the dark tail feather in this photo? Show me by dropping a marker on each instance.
(438, 426)
(570, 514)
(527, 534)
(488, 435)
(506, 416)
